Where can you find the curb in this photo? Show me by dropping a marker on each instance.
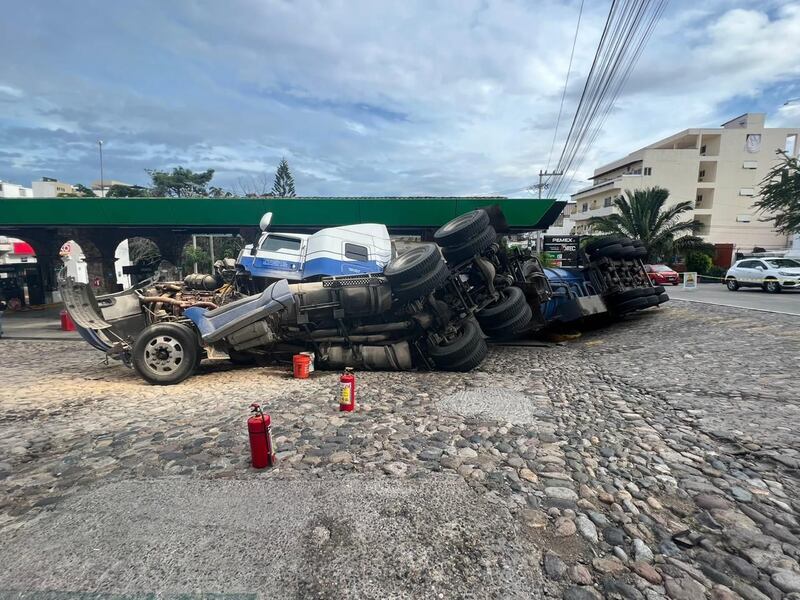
(766, 310)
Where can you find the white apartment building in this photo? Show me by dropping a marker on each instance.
(13, 190)
(564, 224)
(718, 169)
(51, 188)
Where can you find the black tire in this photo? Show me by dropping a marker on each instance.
(602, 242)
(610, 251)
(638, 244)
(461, 229)
(772, 286)
(165, 353)
(627, 252)
(411, 290)
(631, 305)
(662, 298)
(626, 295)
(509, 305)
(458, 254)
(627, 242)
(639, 252)
(417, 262)
(513, 327)
(652, 300)
(462, 353)
(732, 284)
(659, 289)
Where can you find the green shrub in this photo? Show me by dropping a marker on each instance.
(698, 262)
(716, 271)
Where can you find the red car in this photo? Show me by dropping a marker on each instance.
(662, 275)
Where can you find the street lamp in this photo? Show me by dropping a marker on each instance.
(102, 186)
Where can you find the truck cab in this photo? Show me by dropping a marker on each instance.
(348, 250)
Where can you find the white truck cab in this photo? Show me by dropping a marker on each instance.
(347, 250)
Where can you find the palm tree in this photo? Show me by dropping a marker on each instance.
(642, 215)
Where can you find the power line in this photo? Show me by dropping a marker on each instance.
(628, 69)
(566, 83)
(628, 27)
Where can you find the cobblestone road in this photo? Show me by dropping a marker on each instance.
(656, 458)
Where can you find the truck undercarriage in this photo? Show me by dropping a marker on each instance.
(432, 307)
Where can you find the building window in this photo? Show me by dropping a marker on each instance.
(699, 199)
(648, 171)
(607, 202)
(791, 144)
(356, 252)
(585, 207)
(747, 192)
(701, 174)
(703, 150)
(750, 164)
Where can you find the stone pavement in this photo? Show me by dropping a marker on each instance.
(658, 458)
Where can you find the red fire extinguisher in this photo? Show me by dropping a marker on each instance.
(347, 396)
(262, 450)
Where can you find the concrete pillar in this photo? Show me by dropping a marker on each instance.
(99, 252)
(46, 244)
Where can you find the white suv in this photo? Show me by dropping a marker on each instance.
(770, 274)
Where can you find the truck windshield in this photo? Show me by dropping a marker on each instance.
(278, 243)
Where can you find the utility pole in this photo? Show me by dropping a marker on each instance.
(541, 185)
(102, 185)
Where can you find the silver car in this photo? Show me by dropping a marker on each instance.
(770, 274)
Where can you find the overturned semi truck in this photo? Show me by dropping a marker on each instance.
(433, 307)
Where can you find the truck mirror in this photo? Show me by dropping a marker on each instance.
(263, 224)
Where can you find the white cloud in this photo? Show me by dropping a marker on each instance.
(10, 91)
(376, 98)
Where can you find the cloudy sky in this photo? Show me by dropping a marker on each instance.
(363, 98)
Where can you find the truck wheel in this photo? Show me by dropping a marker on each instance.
(510, 304)
(165, 353)
(631, 305)
(416, 263)
(462, 353)
(602, 242)
(458, 254)
(462, 228)
(629, 295)
(610, 251)
(424, 285)
(512, 327)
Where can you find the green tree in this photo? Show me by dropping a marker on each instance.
(127, 191)
(780, 195)
(284, 182)
(180, 183)
(698, 262)
(143, 251)
(79, 191)
(643, 215)
(199, 256)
